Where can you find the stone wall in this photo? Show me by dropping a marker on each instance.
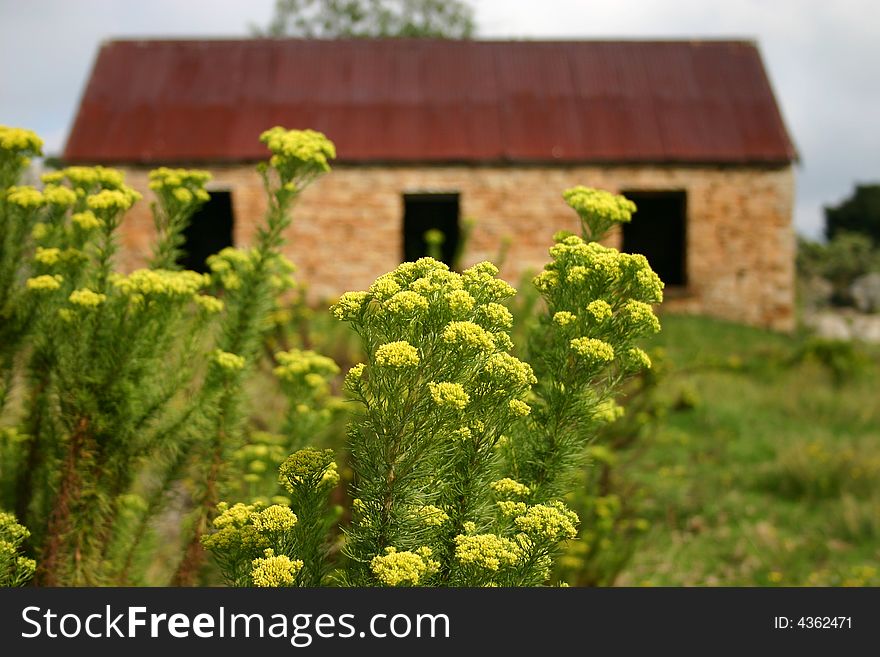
(348, 225)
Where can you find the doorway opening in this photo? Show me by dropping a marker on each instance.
(209, 231)
(425, 212)
(658, 231)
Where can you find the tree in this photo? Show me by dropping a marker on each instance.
(445, 19)
(858, 214)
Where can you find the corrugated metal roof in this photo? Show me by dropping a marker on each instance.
(400, 100)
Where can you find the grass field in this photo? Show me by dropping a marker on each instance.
(769, 472)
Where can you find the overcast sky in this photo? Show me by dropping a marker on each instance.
(823, 59)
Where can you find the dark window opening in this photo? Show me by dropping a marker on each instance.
(209, 231)
(658, 231)
(424, 212)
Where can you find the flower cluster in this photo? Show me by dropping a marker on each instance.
(182, 185)
(87, 298)
(549, 522)
(276, 518)
(15, 569)
(25, 197)
(599, 209)
(229, 361)
(274, 571)
(305, 367)
(156, 283)
(309, 468)
(507, 488)
(488, 551)
(451, 395)
(17, 146)
(298, 155)
(397, 354)
(404, 568)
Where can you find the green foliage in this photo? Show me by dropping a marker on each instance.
(770, 480)
(452, 19)
(457, 482)
(15, 568)
(858, 214)
(845, 258)
(132, 383)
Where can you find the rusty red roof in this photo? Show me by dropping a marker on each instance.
(402, 100)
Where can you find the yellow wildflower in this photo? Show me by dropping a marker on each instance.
(24, 197)
(552, 521)
(597, 351)
(448, 394)
(406, 303)
(468, 334)
(86, 220)
(397, 354)
(508, 488)
(519, 407)
(229, 361)
(275, 571)
(408, 568)
(87, 298)
(45, 282)
(47, 256)
(275, 518)
(488, 551)
(348, 306)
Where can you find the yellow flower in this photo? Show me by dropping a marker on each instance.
(396, 568)
(275, 518)
(431, 515)
(397, 354)
(19, 140)
(496, 315)
(637, 359)
(275, 571)
(25, 197)
(552, 521)
(113, 201)
(599, 203)
(296, 149)
(596, 351)
(599, 309)
(406, 303)
(87, 298)
(448, 394)
(348, 306)
(459, 302)
(511, 509)
(183, 195)
(228, 361)
(354, 375)
(208, 303)
(309, 468)
(639, 317)
(564, 318)
(508, 371)
(519, 407)
(488, 551)
(384, 287)
(509, 488)
(62, 197)
(47, 256)
(86, 220)
(468, 334)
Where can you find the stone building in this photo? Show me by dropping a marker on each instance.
(434, 133)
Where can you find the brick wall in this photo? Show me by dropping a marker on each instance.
(348, 226)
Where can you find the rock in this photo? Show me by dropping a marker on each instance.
(865, 292)
(830, 325)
